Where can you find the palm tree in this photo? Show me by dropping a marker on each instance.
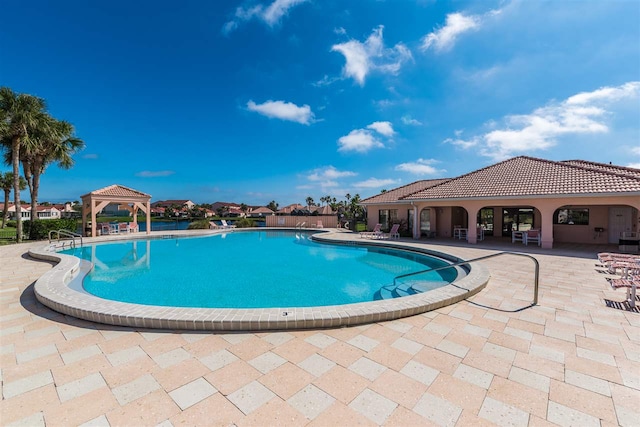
(309, 202)
(244, 208)
(51, 143)
(19, 115)
(6, 182)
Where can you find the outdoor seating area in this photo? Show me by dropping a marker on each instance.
(106, 228)
(626, 269)
(377, 233)
(526, 237)
(373, 234)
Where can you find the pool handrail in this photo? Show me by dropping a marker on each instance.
(456, 264)
(68, 235)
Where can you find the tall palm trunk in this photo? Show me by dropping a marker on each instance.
(15, 160)
(34, 187)
(5, 214)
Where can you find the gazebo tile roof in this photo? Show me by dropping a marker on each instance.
(528, 176)
(118, 191)
(400, 192)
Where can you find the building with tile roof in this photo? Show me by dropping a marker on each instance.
(572, 201)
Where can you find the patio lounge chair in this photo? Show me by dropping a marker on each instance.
(213, 225)
(372, 234)
(517, 236)
(133, 227)
(531, 236)
(319, 224)
(392, 234)
(123, 227)
(105, 228)
(225, 225)
(630, 282)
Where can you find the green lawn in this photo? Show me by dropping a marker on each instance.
(7, 235)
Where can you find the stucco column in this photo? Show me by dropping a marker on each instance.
(546, 214)
(93, 218)
(472, 222)
(416, 222)
(148, 217)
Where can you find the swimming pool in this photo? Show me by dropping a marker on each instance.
(253, 269)
(61, 289)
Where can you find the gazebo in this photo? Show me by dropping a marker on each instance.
(129, 199)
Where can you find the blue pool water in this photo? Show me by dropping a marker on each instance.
(255, 269)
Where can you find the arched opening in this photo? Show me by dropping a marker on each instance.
(425, 222)
(486, 220)
(521, 218)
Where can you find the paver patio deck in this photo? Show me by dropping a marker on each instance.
(570, 360)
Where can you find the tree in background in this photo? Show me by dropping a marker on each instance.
(20, 114)
(6, 182)
(244, 208)
(273, 205)
(310, 202)
(47, 144)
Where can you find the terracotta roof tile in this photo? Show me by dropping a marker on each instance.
(118, 191)
(400, 192)
(620, 170)
(528, 176)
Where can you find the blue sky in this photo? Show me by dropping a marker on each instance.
(253, 101)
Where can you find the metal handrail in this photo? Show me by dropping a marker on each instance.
(67, 234)
(535, 278)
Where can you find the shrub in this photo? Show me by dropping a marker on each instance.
(201, 224)
(244, 223)
(39, 229)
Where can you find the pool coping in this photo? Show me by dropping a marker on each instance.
(52, 289)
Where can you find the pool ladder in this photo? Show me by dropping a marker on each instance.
(535, 277)
(62, 237)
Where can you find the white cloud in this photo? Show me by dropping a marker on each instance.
(420, 167)
(383, 128)
(327, 179)
(456, 24)
(444, 38)
(283, 111)
(270, 15)
(584, 113)
(376, 183)
(90, 156)
(408, 120)
(360, 140)
(636, 151)
(154, 174)
(634, 165)
(363, 140)
(330, 173)
(462, 143)
(627, 90)
(362, 58)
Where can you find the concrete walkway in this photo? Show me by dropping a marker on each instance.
(570, 361)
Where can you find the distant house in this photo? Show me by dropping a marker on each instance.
(229, 209)
(43, 212)
(288, 210)
(157, 212)
(322, 210)
(572, 201)
(260, 212)
(171, 203)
